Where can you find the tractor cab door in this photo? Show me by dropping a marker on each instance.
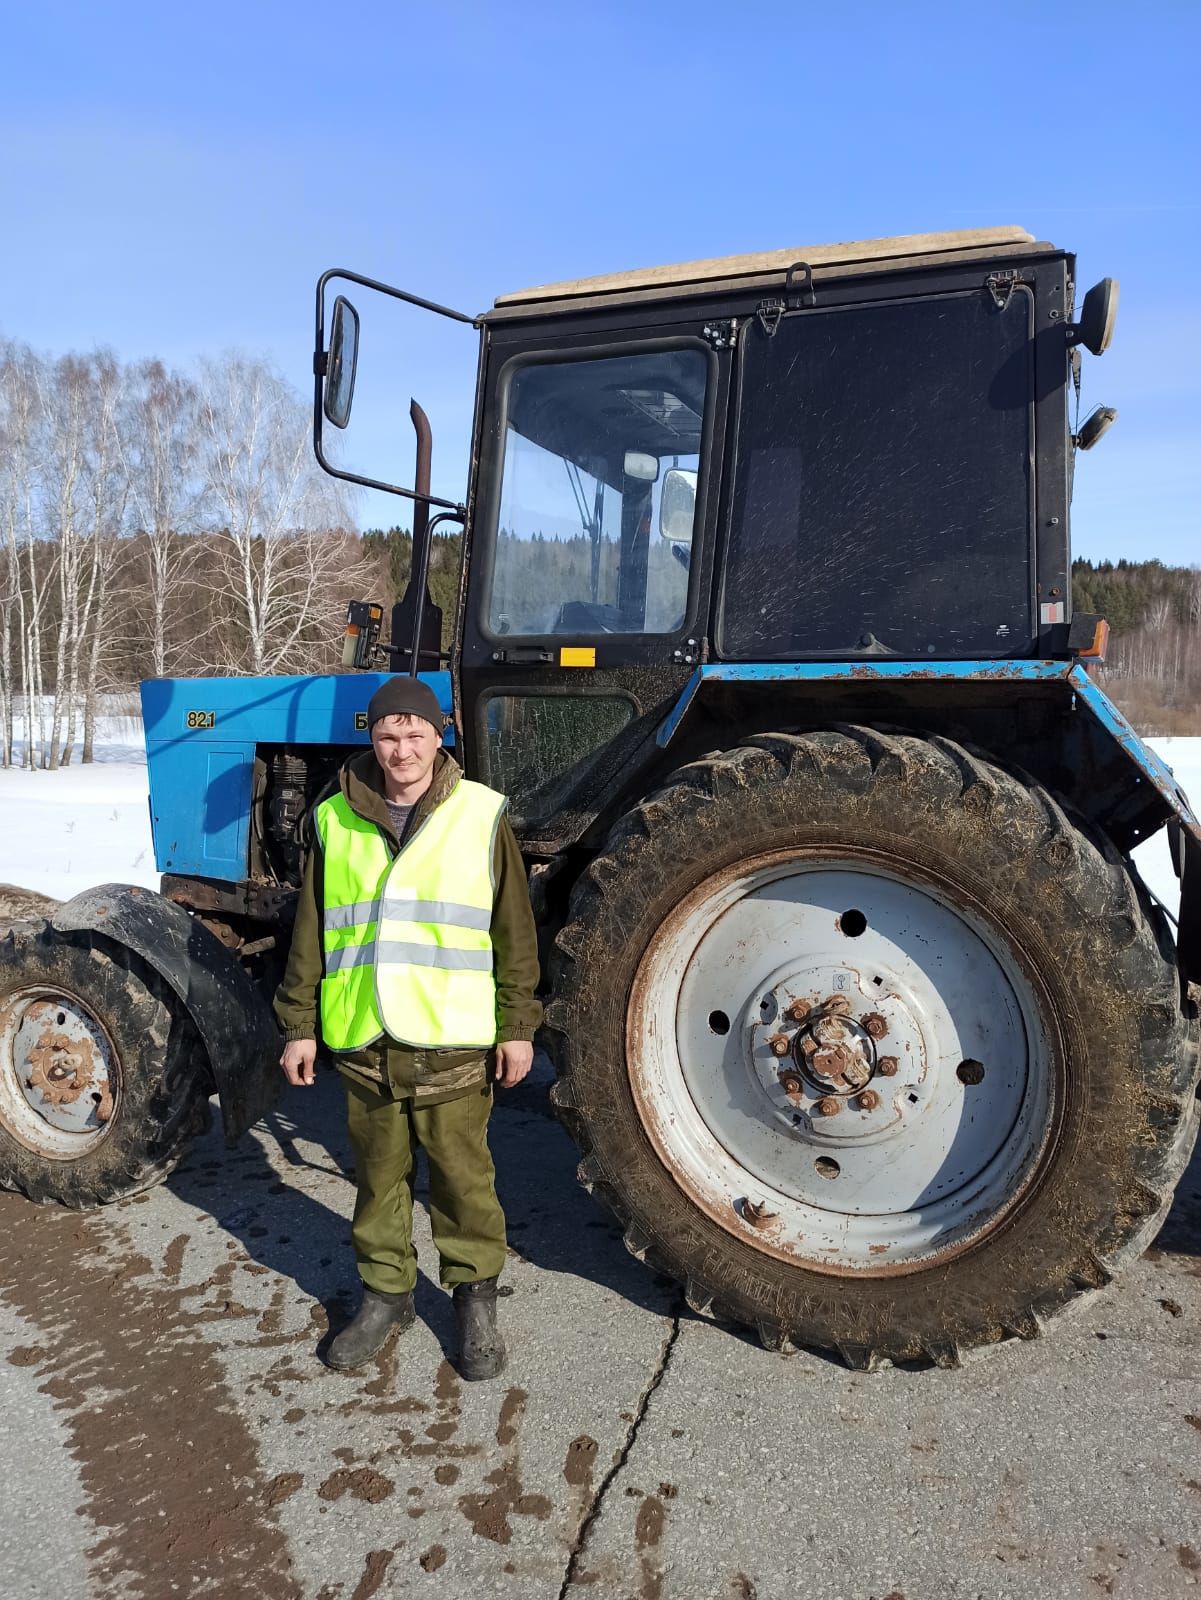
(589, 572)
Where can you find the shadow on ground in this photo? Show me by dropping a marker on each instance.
(285, 1192)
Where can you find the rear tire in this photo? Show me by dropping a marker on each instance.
(1057, 938)
(103, 1081)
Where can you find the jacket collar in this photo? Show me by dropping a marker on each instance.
(362, 783)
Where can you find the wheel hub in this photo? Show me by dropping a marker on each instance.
(56, 1077)
(828, 1041)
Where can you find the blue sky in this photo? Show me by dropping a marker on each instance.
(175, 178)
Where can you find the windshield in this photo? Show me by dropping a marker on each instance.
(588, 445)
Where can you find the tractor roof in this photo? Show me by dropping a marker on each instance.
(771, 267)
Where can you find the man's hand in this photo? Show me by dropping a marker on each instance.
(513, 1061)
(299, 1062)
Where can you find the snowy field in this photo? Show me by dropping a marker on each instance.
(64, 831)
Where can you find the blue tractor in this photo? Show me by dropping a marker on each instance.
(864, 1022)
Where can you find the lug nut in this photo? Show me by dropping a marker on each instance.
(778, 1044)
(874, 1025)
(837, 1005)
(797, 1010)
(868, 1100)
(887, 1066)
(790, 1083)
(830, 1106)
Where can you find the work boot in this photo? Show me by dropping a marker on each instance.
(481, 1348)
(376, 1320)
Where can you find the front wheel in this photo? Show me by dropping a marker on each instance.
(870, 1047)
(103, 1082)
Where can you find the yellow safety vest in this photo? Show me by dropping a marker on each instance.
(405, 940)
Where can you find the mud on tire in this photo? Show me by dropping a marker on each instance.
(161, 1078)
(1064, 905)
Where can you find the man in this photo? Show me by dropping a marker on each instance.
(414, 954)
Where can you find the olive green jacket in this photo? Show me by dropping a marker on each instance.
(427, 1075)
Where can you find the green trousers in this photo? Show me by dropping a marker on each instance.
(465, 1215)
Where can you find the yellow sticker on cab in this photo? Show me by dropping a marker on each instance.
(577, 655)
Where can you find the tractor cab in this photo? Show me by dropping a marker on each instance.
(837, 459)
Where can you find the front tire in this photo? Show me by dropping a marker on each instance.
(103, 1082)
(898, 1127)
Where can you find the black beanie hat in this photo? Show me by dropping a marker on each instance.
(403, 696)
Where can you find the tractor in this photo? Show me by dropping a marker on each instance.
(867, 1029)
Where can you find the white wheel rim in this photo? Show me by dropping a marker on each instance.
(960, 1067)
(58, 1078)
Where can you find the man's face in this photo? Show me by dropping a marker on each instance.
(405, 747)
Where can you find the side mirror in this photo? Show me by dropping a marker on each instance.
(677, 505)
(642, 467)
(341, 363)
(1097, 317)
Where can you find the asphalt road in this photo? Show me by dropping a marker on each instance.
(167, 1428)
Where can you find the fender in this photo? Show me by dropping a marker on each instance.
(234, 1022)
(1116, 780)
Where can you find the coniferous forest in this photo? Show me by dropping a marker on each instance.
(1154, 666)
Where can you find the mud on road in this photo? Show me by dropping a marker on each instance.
(170, 1429)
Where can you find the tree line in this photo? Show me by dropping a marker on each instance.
(157, 522)
(1154, 611)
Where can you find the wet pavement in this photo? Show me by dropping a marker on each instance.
(167, 1428)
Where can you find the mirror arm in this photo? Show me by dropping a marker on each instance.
(381, 288)
(321, 361)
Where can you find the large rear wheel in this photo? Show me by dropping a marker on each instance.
(870, 1047)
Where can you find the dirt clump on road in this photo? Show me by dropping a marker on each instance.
(361, 1483)
(374, 1569)
(581, 1458)
(282, 1487)
(489, 1513)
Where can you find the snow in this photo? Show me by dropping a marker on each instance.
(64, 831)
(1184, 757)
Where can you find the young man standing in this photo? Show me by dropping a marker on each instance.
(414, 952)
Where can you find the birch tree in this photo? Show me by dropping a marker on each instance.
(279, 568)
(22, 465)
(109, 493)
(65, 402)
(168, 499)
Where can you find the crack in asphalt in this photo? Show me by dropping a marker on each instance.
(623, 1455)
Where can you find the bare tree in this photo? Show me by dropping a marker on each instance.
(14, 488)
(275, 505)
(164, 448)
(109, 494)
(84, 495)
(66, 403)
(26, 578)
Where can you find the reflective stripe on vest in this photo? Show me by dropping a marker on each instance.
(406, 941)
